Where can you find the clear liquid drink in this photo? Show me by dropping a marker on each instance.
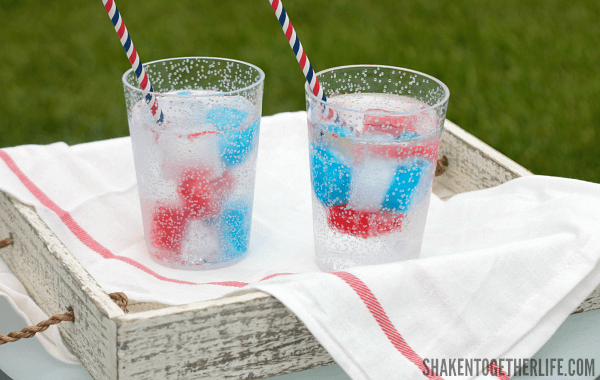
(196, 172)
(372, 159)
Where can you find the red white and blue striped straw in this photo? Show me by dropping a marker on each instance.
(134, 60)
(296, 45)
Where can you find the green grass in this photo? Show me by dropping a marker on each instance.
(524, 76)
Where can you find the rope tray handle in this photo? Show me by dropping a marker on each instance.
(119, 298)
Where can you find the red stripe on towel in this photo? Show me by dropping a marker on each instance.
(84, 237)
(384, 322)
(275, 275)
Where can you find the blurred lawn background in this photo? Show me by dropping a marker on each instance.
(524, 75)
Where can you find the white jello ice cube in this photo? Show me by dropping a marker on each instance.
(200, 243)
(370, 182)
(181, 150)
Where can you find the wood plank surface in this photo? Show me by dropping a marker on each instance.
(592, 302)
(248, 336)
(57, 282)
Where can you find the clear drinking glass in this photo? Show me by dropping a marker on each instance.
(196, 172)
(373, 148)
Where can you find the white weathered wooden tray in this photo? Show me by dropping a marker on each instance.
(248, 336)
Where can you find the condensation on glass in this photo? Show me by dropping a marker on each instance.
(196, 172)
(372, 149)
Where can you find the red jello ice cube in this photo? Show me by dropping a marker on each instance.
(427, 148)
(168, 228)
(203, 192)
(393, 125)
(361, 223)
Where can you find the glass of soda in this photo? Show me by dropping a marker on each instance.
(373, 147)
(196, 171)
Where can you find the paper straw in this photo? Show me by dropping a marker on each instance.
(134, 60)
(296, 45)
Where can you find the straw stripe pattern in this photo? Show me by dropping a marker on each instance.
(296, 45)
(134, 60)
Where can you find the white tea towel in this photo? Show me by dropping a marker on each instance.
(501, 268)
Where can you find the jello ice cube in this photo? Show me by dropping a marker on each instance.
(370, 182)
(225, 118)
(168, 229)
(361, 223)
(236, 140)
(331, 123)
(426, 148)
(203, 192)
(407, 135)
(200, 243)
(183, 148)
(234, 229)
(235, 146)
(377, 121)
(337, 130)
(405, 182)
(330, 175)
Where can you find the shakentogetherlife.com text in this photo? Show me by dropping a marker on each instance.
(509, 367)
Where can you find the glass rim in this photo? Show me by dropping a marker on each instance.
(444, 100)
(257, 83)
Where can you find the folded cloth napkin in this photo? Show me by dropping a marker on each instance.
(500, 270)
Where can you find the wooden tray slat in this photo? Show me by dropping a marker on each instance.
(251, 335)
(474, 165)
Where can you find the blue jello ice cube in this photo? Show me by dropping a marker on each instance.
(225, 118)
(234, 227)
(407, 135)
(330, 175)
(402, 188)
(234, 144)
(337, 129)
